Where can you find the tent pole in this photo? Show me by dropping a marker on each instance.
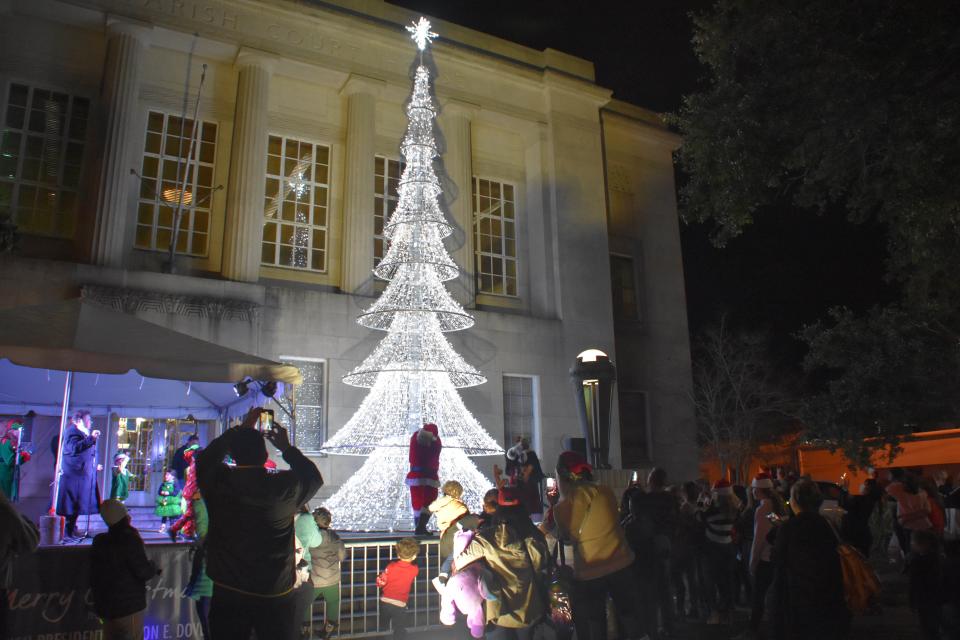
(67, 388)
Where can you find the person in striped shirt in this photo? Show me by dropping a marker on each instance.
(720, 552)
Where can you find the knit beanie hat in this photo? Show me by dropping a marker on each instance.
(722, 487)
(112, 511)
(762, 481)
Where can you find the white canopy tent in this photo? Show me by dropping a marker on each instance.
(78, 335)
(71, 355)
(24, 389)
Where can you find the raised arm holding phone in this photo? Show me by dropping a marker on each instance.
(250, 542)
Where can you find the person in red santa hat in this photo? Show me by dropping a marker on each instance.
(720, 551)
(761, 564)
(424, 478)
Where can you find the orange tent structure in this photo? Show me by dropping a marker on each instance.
(930, 450)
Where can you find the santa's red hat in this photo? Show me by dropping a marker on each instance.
(432, 428)
(574, 466)
(12, 430)
(762, 481)
(722, 487)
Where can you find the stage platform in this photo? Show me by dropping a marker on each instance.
(50, 590)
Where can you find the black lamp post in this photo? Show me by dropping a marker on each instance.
(593, 376)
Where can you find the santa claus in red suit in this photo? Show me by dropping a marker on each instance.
(424, 478)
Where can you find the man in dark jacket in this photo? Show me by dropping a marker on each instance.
(250, 542)
(651, 525)
(79, 494)
(119, 571)
(809, 601)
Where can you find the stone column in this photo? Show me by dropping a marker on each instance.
(243, 232)
(126, 47)
(361, 93)
(458, 163)
(540, 268)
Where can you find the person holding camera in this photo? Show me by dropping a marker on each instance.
(250, 542)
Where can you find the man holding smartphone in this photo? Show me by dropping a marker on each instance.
(250, 542)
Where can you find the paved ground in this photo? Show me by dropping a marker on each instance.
(895, 623)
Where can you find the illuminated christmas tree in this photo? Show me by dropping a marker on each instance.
(414, 373)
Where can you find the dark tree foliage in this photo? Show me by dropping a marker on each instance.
(888, 373)
(852, 105)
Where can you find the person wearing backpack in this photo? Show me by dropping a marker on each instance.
(809, 598)
(586, 517)
(913, 508)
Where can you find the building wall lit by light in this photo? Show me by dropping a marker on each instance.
(561, 198)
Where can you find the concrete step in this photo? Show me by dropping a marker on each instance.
(143, 518)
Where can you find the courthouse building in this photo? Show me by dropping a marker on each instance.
(562, 198)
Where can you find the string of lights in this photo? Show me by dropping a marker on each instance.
(414, 372)
(375, 498)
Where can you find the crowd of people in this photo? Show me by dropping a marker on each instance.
(773, 547)
(575, 558)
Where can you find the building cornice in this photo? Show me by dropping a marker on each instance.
(596, 94)
(138, 300)
(641, 123)
(357, 83)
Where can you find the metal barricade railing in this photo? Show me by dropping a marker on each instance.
(360, 598)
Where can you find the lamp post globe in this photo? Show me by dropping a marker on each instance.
(593, 376)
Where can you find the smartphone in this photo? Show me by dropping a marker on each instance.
(266, 421)
(551, 484)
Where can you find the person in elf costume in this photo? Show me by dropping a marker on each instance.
(120, 486)
(187, 523)
(9, 448)
(168, 500)
(424, 478)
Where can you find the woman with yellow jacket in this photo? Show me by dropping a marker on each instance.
(586, 516)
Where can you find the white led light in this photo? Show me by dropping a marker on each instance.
(415, 288)
(421, 34)
(383, 418)
(413, 373)
(375, 498)
(415, 344)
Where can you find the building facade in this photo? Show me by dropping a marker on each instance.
(563, 199)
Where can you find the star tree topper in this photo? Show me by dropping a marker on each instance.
(420, 33)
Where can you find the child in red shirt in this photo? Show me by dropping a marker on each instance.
(396, 581)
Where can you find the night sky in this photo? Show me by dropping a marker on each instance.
(788, 268)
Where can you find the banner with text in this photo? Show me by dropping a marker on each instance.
(50, 596)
